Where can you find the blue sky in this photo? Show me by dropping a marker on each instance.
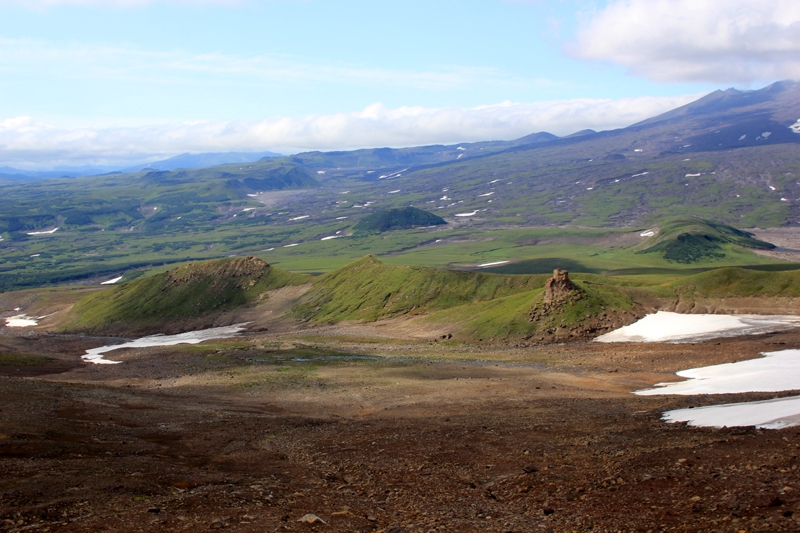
(118, 81)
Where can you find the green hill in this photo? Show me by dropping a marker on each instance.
(181, 299)
(369, 290)
(592, 308)
(401, 218)
(739, 282)
(692, 240)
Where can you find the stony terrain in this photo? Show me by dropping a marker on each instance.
(377, 434)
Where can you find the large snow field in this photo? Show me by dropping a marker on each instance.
(776, 371)
(665, 326)
(769, 414)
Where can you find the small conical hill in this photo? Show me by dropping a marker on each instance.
(694, 240)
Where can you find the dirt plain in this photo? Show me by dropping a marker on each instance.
(373, 434)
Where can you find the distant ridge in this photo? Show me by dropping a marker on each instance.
(200, 160)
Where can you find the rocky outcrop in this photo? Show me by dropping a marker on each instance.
(247, 271)
(559, 287)
(568, 312)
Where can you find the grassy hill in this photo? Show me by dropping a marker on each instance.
(179, 299)
(478, 306)
(394, 219)
(692, 240)
(594, 307)
(369, 290)
(738, 282)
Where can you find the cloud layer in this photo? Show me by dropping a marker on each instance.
(27, 143)
(726, 41)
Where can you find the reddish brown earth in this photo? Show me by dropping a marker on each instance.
(234, 435)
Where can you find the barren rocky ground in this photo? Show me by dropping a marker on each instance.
(372, 434)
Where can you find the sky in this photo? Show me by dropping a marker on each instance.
(120, 82)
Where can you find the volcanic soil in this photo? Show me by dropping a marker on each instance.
(314, 432)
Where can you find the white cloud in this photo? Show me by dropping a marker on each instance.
(130, 64)
(29, 143)
(699, 41)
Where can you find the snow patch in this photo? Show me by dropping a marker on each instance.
(49, 232)
(692, 175)
(487, 194)
(394, 192)
(111, 281)
(795, 127)
(640, 174)
(392, 175)
(665, 326)
(743, 137)
(291, 245)
(768, 414)
(299, 218)
(493, 264)
(467, 214)
(331, 237)
(648, 233)
(21, 321)
(95, 355)
(775, 372)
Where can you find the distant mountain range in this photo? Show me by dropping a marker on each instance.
(730, 156)
(208, 159)
(180, 161)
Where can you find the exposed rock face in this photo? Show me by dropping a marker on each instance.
(558, 287)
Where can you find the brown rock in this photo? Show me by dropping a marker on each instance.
(311, 518)
(558, 287)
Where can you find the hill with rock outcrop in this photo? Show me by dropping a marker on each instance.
(188, 297)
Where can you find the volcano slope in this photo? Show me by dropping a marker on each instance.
(253, 433)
